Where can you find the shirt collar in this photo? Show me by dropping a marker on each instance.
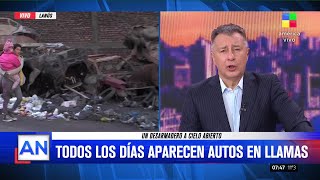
(224, 87)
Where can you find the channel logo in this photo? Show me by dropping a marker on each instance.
(33, 148)
(289, 20)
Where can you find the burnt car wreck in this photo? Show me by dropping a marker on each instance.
(71, 83)
(48, 67)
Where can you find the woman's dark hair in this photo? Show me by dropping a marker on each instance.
(15, 46)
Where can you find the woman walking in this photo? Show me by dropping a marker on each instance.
(11, 66)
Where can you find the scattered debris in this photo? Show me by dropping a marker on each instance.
(68, 83)
(71, 89)
(69, 104)
(106, 119)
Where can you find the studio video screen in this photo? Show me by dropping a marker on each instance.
(240, 71)
(79, 71)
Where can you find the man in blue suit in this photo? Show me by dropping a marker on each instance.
(235, 100)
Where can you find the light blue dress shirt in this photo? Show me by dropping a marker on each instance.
(232, 102)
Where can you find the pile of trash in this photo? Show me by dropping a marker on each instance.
(77, 109)
(33, 107)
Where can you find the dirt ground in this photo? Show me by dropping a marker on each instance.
(90, 124)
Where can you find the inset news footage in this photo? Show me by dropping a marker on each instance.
(80, 72)
(285, 44)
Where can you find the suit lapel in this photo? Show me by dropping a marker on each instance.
(249, 94)
(220, 113)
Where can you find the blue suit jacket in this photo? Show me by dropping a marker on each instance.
(264, 103)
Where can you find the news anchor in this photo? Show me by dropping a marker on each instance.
(235, 100)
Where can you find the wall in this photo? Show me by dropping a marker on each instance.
(100, 32)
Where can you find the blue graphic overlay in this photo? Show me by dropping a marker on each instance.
(150, 171)
(144, 171)
(158, 5)
(296, 65)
